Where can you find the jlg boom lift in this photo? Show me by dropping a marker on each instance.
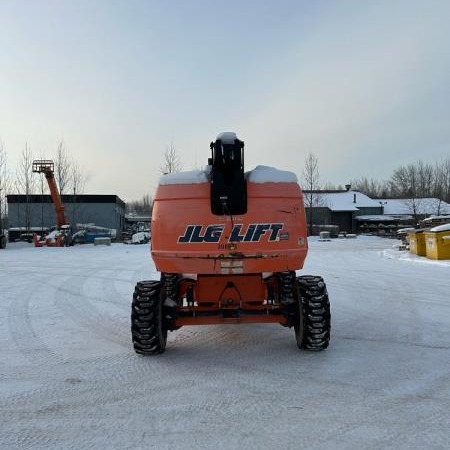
(47, 167)
(227, 245)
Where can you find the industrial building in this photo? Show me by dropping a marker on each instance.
(34, 212)
(354, 212)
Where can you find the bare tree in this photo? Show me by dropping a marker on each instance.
(5, 185)
(78, 180)
(425, 179)
(413, 206)
(25, 184)
(435, 206)
(172, 161)
(311, 184)
(418, 180)
(446, 180)
(405, 183)
(141, 207)
(371, 187)
(442, 180)
(329, 186)
(71, 178)
(63, 167)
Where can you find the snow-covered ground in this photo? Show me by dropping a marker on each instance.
(69, 378)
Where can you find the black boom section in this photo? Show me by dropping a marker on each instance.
(228, 185)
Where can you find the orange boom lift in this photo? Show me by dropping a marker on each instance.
(227, 245)
(62, 223)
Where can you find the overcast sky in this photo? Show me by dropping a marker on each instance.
(364, 85)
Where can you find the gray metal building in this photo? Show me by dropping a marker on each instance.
(35, 211)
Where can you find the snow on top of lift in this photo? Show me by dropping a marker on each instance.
(260, 174)
(188, 177)
(227, 137)
(443, 227)
(266, 174)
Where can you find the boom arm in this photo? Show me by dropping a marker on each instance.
(228, 185)
(47, 168)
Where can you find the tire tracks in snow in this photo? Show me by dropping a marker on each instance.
(20, 322)
(75, 303)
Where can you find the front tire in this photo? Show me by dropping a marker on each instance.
(313, 322)
(148, 330)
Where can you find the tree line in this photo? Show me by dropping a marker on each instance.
(71, 177)
(415, 180)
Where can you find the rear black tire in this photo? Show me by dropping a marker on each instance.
(148, 329)
(2, 242)
(313, 322)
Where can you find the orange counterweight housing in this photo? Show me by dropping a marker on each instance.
(228, 261)
(188, 238)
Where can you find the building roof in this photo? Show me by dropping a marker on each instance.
(383, 218)
(134, 218)
(425, 206)
(343, 200)
(65, 198)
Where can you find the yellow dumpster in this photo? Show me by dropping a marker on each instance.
(437, 242)
(417, 242)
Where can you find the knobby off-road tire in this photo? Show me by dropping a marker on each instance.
(169, 285)
(288, 296)
(148, 329)
(313, 324)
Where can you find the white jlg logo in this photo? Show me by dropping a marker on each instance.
(239, 233)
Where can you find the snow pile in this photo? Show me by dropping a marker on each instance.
(395, 254)
(444, 227)
(141, 237)
(433, 217)
(405, 230)
(52, 235)
(266, 174)
(188, 177)
(375, 218)
(227, 137)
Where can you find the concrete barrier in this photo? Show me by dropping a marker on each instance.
(324, 236)
(102, 241)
